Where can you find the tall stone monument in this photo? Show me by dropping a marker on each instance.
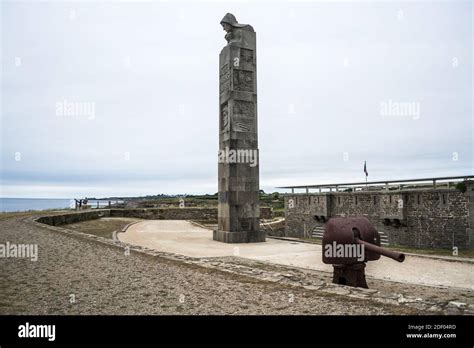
(238, 172)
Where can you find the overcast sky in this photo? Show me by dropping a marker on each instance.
(327, 72)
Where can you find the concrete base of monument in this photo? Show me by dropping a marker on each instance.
(239, 237)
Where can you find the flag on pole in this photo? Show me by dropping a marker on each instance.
(365, 169)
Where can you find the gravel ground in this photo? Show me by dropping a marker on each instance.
(74, 275)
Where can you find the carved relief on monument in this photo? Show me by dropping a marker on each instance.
(224, 78)
(243, 80)
(245, 108)
(241, 126)
(225, 117)
(246, 55)
(243, 123)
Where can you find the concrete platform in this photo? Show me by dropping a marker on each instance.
(182, 237)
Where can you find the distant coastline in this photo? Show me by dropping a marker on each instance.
(26, 204)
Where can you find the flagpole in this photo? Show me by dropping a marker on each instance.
(366, 174)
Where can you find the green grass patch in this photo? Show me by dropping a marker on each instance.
(103, 227)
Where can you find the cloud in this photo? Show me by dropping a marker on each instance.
(151, 72)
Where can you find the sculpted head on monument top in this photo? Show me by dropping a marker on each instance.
(233, 28)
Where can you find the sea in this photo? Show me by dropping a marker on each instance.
(26, 204)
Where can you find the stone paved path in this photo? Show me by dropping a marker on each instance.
(182, 237)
